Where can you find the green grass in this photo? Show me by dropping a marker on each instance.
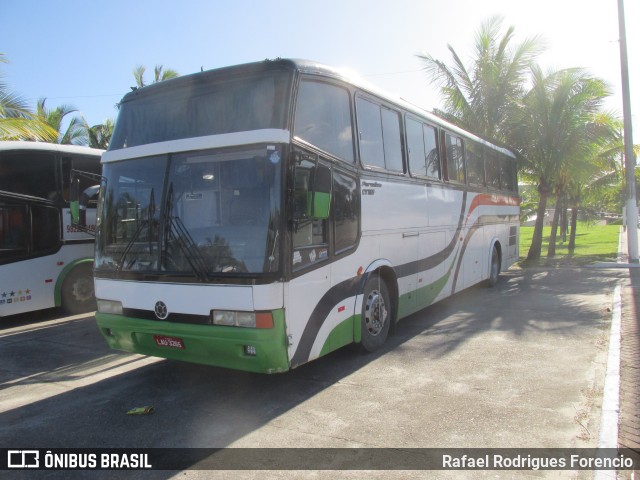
(594, 243)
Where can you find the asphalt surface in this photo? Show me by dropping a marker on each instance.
(518, 365)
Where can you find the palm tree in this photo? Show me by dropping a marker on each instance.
(16, 120)
(481, 96)
(553, 129)
(600, 183)
(75, 132)
(100, 135)
(599, 173)
(159, 74)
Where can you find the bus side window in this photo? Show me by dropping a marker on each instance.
(380, 136)
(507, 174)
(422, 146)
(84, 164)
(346, 211)
(455, 158)
(492, 167)
(475, 163)
(392, 140)
(310, 239)
(415, 147)
(13, 231)
(370, 133)
(32, 173)
(45, 227)
(431, 149)
(323, 118)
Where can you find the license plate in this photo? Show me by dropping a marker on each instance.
(169, 342)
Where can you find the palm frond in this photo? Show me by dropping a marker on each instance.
(26, 129)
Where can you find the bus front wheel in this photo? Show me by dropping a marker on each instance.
(376, 314)
(78, 295)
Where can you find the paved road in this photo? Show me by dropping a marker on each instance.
(519, 365)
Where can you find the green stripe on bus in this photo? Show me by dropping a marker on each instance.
(341, 335)
(426, 296)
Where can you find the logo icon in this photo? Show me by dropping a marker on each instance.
(161, 310)
(23, 459)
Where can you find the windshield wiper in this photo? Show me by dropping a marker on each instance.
(272, 257)
(183, 239)
(141, 225)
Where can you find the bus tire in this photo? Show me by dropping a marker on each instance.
(494, 267)
(78, 295)
(376, 315)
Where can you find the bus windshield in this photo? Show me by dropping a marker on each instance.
(202, 105)
(202, 214)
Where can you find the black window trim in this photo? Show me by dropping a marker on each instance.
(382, 104)
(336, 83)
(445, 162)
(436, 129)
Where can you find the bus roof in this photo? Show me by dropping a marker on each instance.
(312, 68)
(309, 67)
(49, 147)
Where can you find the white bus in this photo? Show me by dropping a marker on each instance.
(44, 261)
(257, 217)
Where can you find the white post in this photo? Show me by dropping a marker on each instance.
(629, 159)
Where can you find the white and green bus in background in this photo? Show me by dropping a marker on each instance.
(260, 216)
(44, 261)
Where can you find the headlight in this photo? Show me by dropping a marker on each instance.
(109, 306)
(246, 319)
(221, 317)
(242, 319)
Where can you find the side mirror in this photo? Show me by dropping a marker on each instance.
(80, 198)
(319, 196)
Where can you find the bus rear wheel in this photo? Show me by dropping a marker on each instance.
(78, 295)
(494, 267)
(376, 314)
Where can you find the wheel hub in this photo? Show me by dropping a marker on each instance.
(83, 289)
(375, 313)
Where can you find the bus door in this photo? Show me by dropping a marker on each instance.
(310, 255)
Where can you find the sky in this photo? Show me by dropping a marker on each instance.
(82, 53)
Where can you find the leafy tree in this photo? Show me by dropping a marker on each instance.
(159, 75)
(100, 135)
(17, 122)
(75, 132)
(481, 96)
(553, 121)
(554, 128)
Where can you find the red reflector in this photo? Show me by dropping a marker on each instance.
(264, 320)
(49, 280)
(341, 309)
(60, 264)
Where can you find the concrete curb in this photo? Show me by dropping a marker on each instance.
(611, 397)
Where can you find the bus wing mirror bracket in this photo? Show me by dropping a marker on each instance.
(80, 199)
(319, 201)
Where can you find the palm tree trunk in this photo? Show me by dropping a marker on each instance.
(536, 241)
(574, 224)
(551, 250)
(564, 223)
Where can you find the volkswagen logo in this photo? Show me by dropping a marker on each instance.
(161, 310)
